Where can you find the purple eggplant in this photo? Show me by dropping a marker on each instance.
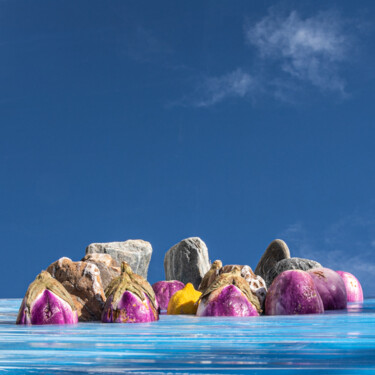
(130, 299)
(293, 292)
(331, 288)
(353, 287)
(164, 290)
(226, 301)
(47, 302)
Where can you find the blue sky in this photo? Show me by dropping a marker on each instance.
(238, 122)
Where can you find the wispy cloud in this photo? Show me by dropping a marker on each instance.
(346, 245)
(216, 89)
(294, 55)
(307, 49)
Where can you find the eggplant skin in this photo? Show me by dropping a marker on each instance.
(47, 308)
(353, 287)
(164, 290)
(293, 292)
(227, 301)
(331, 288)
(129, 309)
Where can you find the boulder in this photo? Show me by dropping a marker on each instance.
(82, 281)
(276, 259)
(108, 267)
(187, 261)
(277, 250)
(137, 253)
(292, 264)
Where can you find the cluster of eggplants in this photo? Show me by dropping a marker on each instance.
(311, 292)
(130, 299)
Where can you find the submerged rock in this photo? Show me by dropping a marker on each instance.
(187, 261)
(47, 302)
(137, 253)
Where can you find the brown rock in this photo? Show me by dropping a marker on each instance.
(82, 280)
(108, 267)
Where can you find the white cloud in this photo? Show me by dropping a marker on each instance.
(309, 49)
(346, 245)
(215, 89)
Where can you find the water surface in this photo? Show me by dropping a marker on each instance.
(336, 343)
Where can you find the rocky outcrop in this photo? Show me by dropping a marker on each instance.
(82, 281)
(187, 261)
(108, 267)
(276, 259)
(137, 253)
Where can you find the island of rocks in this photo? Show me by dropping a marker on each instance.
(109, 284)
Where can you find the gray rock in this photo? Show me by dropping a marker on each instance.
(135, 252)
(187, 261)
(292, 264)
(276, 251)
(108, 267)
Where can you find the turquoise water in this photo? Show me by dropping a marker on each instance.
(334, 343)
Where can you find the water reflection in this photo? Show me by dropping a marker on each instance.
(335, 342)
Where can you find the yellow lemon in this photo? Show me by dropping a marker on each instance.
(183, 301)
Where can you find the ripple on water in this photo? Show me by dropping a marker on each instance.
(340, 342)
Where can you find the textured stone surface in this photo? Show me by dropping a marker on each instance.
(292, 264)
(82, 280)
(137, 253)
(108, 267)
(277, 250)
(257, 284)
(187, 261)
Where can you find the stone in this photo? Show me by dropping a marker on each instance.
(137, 253)
(276, 259)
(82, 281)
(292, 264)
(108, 267)
(277, 250)
(257, 284)
(187, 261)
